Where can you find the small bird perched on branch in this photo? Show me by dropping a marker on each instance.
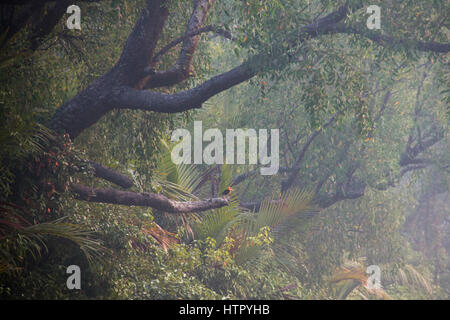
(227, 192)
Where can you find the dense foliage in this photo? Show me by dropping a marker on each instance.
(364, 159)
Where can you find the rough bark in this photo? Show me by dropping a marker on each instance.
(211, 28)
(121, 86)
(156, 201)
(92, 103)
(181, 69)
(111, 175)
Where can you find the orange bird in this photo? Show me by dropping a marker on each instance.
(227, 191)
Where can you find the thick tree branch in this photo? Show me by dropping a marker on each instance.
(130, 98)
(141, 43)
(211, 28)
(91, 104)
(156, 201)
(181, 69)
(111, 175)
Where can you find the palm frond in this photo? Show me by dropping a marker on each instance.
(74, 232)
(164, 238)
(31, 240)
(350, 276)
(409, 276)
(217, 223)
(418, 279)
(275, 213)
(176, 181)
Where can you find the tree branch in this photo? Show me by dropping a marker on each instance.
(91, 104)
(181, 68)
(409, 156)
(111, 175)
(288, 183)
(192, 98)
(141, 43)
(130, 98)
(156, 201)
(173, 43)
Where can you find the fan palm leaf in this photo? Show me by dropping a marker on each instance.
(31, 240)
(274, 213)
(177, 181)
(217, 223)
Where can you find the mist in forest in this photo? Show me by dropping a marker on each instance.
(224, 150)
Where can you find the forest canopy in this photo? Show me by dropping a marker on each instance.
(360, 114)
